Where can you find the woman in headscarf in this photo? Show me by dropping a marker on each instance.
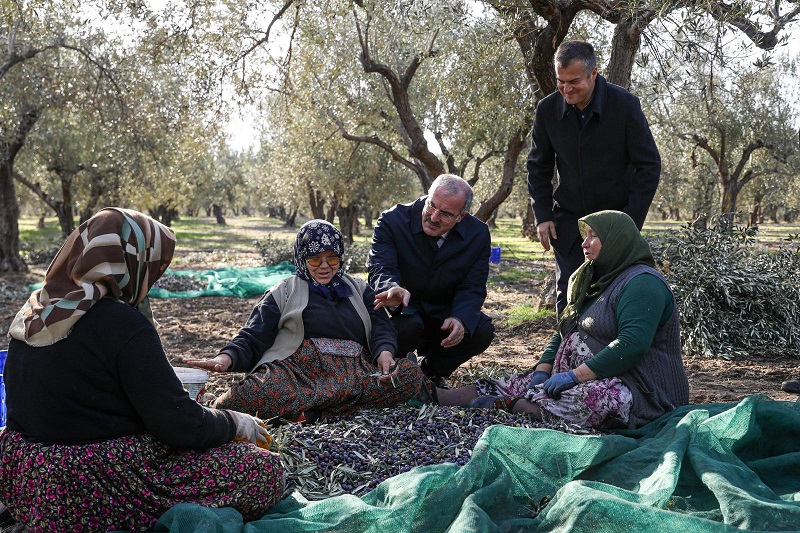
(101, 435)
(314, 346)
(615, 360)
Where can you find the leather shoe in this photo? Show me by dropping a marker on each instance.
(791, 386)
(438, 381)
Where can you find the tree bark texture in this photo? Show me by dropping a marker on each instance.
(10, 260)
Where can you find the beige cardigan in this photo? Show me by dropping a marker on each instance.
(291, 295)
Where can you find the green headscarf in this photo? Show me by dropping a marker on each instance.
(622, 246)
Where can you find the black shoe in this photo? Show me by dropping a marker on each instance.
(311, 416)
(438, 381)
(791, 386)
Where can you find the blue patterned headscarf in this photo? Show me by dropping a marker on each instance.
(314, 237)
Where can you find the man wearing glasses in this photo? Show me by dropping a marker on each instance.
(428, 265)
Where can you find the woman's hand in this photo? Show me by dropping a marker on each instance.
(221, 363)
(250, 429)
(541, 373)
(558, 383)
(385, 362)
(538, 377)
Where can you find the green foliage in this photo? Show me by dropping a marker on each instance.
(275, 249)
(735, 300)
(38, 246)
(41, 253)
(355, 257)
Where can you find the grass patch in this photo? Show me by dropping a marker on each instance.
(32, 237)
(513, 245)
(525, 312)
(203, 233)
(515, 276)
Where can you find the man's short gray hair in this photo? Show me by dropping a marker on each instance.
(452, 185)
(570, 51)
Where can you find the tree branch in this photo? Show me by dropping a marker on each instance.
(37, 189)
(448, 156)
(747, 152)
(374, 140)
(265, 39)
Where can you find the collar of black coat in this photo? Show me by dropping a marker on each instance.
(596, 102)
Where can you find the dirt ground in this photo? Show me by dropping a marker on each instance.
(199, 327)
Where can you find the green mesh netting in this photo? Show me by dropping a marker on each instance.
(716, 467)
(239, 282)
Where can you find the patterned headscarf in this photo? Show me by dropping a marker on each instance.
(118, 254)
(621, 246)
(314, 237)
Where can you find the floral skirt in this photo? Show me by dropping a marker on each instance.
(594, 403)
(126, 484)
(329, 376)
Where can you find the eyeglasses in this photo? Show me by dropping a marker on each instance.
(433, 209)
(331, 261)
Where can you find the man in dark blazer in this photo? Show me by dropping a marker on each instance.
(428, 265)
(595, 135)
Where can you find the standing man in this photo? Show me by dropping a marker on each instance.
(428, 265)
(595, 135)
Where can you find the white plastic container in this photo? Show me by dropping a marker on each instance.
(193, 380)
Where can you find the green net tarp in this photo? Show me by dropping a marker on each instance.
(238, 282)
(715, 467)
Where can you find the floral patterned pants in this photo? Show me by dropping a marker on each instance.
(126, 484)
(330, 376)
(587, 404)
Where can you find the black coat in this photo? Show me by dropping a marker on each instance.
(612, 163)
(444, 282)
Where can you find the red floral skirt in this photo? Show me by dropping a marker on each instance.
(126, 484)
(329, 376)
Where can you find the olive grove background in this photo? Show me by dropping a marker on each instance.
(361, 104)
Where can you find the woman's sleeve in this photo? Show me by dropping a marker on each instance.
(256, 337)
(644, 305)
(549, 354)
(383, 336)
(157, 395)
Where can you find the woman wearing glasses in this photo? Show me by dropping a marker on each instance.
(313, 345)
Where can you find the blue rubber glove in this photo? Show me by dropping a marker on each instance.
(540, 376)
(558, 383)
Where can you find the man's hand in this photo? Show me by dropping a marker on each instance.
(221, 363)
(546, 231)
(456, 332)
(385, 362)
(392, 298)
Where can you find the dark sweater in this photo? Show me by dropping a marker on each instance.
(321, 319)
(109, 378)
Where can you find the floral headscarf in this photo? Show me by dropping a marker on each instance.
(118, 254)
(314, 237)
(622, 246)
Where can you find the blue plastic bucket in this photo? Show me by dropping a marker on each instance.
(494, 256)
(3, 354)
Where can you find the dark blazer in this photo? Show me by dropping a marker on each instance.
(444, 282)
(612, 163)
